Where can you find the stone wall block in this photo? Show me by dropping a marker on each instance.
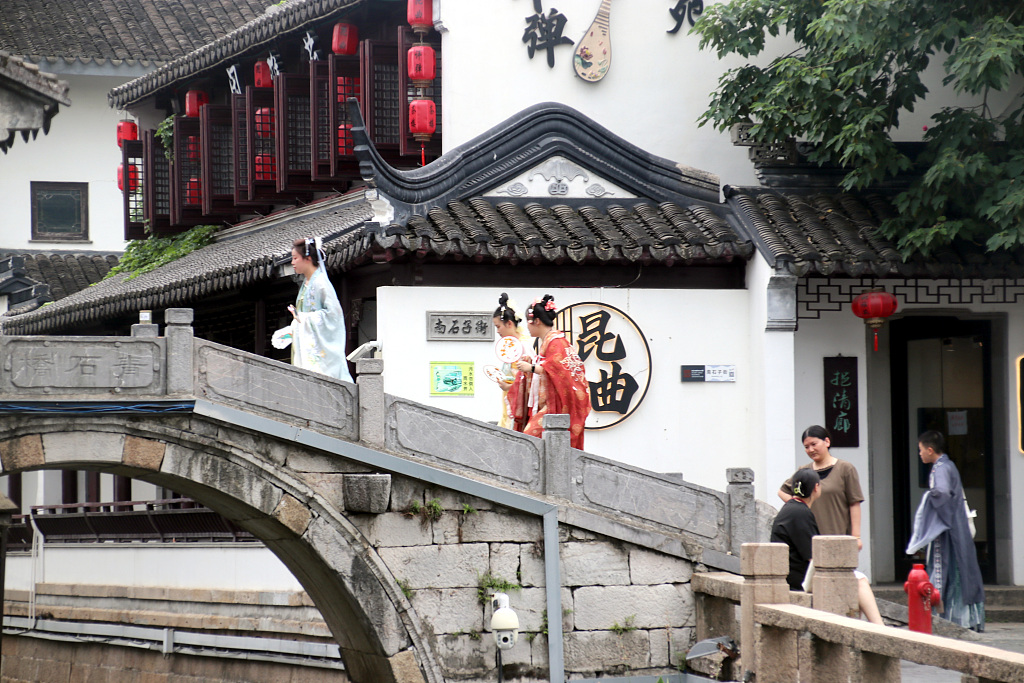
(438, 566)
(531, 564)
(659, 647)
(83, 447)
(601, 607)
(25, 451)
(456, 500)
(602, 650)
(369, 493)
(465, 657)
(143, 453)
(230, 482)
(648, 568)
(393, 529)
(405, 668)
(505, 561)
(302, 460)
(501, 527)
(450, 610)
(680, 640)
(594, 564)
(293, 514)
(330, 487)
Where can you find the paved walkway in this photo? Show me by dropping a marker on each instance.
(1004, 636)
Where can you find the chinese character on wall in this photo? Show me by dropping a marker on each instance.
(841, 409)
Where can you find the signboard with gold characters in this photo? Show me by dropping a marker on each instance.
(615, 355)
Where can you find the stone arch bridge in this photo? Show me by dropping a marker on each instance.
(325, 474)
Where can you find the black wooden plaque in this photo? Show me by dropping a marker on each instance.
(841, 409)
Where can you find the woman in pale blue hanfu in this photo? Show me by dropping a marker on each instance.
(317, 332)
(941, 526)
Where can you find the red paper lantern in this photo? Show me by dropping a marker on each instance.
(133, 177)
(422, 119)
(261, 75)
(421, 15)
(345, 40)
(874, 306)
(346, 145)
(422, 64)
(126, 130)
(266, 167)
(264, 121)
(192, 147)
(193, 100)
(193, 191)
(348, 86)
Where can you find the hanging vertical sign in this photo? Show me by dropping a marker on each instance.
(841, 417)
(1020, 403)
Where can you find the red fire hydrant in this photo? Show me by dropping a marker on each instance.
(921, 597)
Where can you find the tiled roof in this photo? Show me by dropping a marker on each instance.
(30, 280)
(835, 233)
(256, 35)
(33, 98)
(240, 257)
(132, 30)
(505, 232)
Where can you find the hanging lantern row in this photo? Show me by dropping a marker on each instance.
(126, 130)
(421, 64)
(874, 306)
(345, 39)
(194, 99)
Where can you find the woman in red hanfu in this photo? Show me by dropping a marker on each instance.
(551, 383)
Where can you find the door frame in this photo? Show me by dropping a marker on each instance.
(916, 327)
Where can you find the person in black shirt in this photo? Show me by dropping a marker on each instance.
(795, 525)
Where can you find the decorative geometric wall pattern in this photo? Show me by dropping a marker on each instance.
(818, 295)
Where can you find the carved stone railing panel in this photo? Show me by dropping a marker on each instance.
(649, 498)
(260, 385)
(449, 439)
(85, 367)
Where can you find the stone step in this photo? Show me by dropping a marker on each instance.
(1003, 604)
(1004, 615)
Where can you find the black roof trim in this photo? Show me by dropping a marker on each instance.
(520, 143)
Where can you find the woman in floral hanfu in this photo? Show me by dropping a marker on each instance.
(317, 332)
(554, 381)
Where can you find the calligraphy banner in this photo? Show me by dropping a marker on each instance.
(841, 408)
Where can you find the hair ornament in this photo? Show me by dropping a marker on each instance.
(798, 490)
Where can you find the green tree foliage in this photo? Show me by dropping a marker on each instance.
(856, 68)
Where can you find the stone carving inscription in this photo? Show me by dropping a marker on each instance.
(80, 364)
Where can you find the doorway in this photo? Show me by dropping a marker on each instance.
(942, 379)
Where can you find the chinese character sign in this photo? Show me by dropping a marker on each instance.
(459, 326)
(841, 409)
(615, 356)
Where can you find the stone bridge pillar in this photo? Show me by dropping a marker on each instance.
(370, 378)
(742, 507)
(178, 331)
(765, 650)
(557, 456)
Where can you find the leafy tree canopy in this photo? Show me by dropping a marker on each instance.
(857, 67)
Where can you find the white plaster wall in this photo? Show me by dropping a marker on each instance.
(699, 429)
(657, 86)
(227, 566)
(80, 147)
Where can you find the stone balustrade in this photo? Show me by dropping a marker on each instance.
(783, 638)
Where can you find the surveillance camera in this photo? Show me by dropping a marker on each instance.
(504, 622)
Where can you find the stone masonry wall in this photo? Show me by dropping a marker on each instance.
(624, 608)
(35, 660)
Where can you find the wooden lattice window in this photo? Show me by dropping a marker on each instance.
(261, 150)
(186, 173)
(346, 80)
(156, 204)
(133, 171)
(217, 157)
(380, 83)
(60, 211)
(408, 145)
(240, 135)
(294, 132)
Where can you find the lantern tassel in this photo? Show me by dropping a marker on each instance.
(876, 340)
(423, 154)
